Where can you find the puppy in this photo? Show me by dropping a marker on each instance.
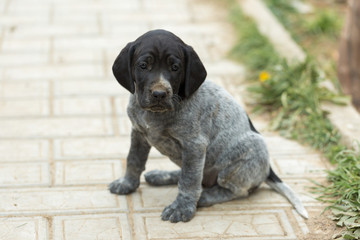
(195, 123)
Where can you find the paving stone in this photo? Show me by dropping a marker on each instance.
(93, 7)
(96, 87)
(21, 108)
(38, 89)
(26, 46)
(52, 30)
(208, 12)
(121, 104)
(28, 7)
(64, 16)
(129, 30)
(208, 225)
(346, 119)
(31, 228)
(307, 164)
(82, 42)
(125, 126)
(144, 198)
(100, 227)
(52, 201)
(77, 56)
(55, 127)
(87, 172)
(278, 146)
(24, 174)
(82, 106)
(16, 19)
(45, 72)
(92, 148)
(24, 150)
(164, 6)
(142, 19)
(2, 6)
(20, 59)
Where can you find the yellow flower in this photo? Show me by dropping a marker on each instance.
(264, 76)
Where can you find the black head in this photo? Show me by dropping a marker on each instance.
(159, 68)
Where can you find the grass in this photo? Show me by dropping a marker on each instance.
(256, 51)
(322, 28)
(293, 95)
(325, 22)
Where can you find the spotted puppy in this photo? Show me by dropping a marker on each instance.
(194, 122)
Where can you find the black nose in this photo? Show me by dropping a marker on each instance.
(159, 94)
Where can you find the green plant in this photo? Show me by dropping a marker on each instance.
(252, 47)
(294, 94)
(344, 193)
(324, 22)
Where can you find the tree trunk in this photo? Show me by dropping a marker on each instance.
(349, 53)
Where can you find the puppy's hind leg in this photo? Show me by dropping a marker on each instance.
(217, 194)
(160, 178)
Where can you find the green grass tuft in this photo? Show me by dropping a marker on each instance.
(252, 47)
(294, 94)
(325, 22)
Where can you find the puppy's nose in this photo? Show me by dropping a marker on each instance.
(159, 94)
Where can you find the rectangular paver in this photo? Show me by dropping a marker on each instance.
(24, 174)
(92, 148)
(55, 127)
(82, 106)
(89, 227)
(37, 201)
(24, 150)
(211, 225)
(45, 72)
(30, 228)
(33, 89)
(96, 87)
(88, 172)
(21, 108)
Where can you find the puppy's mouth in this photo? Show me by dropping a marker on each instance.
(159, 108)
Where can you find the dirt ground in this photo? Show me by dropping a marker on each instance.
(321, 227)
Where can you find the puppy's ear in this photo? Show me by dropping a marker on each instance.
(122, 67)
(195, 73)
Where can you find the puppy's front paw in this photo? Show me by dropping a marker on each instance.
(179, 211)
(123, 186)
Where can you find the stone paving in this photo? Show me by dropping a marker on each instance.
(64, 133)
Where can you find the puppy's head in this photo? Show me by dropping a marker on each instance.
(159, 68)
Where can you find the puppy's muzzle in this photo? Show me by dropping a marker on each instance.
(160, 96)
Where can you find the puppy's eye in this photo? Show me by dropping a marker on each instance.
(143, 65)
(174, 67)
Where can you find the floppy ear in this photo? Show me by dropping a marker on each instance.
(195, 73)
(122, 67)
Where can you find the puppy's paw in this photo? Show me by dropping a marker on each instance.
(123, 186)
(160, 178)
(178, 211)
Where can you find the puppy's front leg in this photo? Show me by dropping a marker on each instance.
(135, 165)
(184, 207)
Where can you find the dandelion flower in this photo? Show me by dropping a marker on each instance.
(264, 76)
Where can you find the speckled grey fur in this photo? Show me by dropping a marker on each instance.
(207, 134)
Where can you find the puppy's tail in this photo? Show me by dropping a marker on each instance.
(275, 182)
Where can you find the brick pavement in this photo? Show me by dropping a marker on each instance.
(64, 133)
